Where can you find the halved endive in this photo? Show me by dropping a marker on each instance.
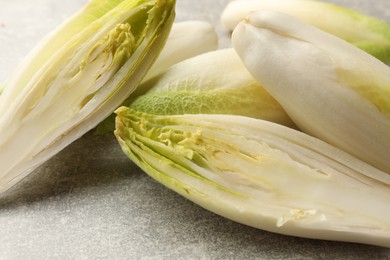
(261, 174)
(76, 77)
(366, 32)
(216, 82)
(329, 88)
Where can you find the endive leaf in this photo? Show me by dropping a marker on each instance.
(186, 39)
(330, 88)
(366, 32)
(261, 174)
(212, 83)
(76, 78)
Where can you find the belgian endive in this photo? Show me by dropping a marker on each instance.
(366, 32)
(261, 174)
(211, 83)
(76, 77)
(329, 88)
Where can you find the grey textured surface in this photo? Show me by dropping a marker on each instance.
(91, 202)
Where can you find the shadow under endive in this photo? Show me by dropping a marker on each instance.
(92, 160)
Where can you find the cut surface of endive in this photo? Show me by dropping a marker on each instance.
(261, 174)
(329, 88)
(76, 77)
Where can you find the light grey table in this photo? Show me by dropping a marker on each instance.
(91, 202)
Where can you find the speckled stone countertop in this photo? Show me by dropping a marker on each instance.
(91, 202)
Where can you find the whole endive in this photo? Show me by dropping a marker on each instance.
(216, 82)
(76, 77)
(329, 88)
(261, 174)
(366, 32)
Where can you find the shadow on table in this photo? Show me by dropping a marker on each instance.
(93, 160)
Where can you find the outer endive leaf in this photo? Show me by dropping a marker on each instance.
(186, 39)
(46, 107)
(366, 32)
(261, 174)
(212, 83)
(330, 88)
